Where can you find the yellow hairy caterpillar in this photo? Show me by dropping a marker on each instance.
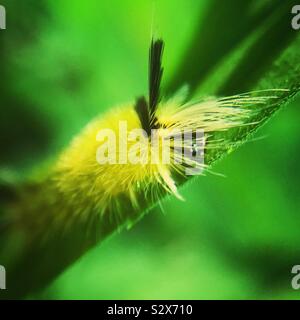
(80, 175)
(118, 162)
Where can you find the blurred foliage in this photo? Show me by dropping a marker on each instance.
(235, 237)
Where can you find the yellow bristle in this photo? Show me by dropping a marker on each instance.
(79, 176)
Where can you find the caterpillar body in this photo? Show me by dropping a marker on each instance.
(81, 176)
(82, 187)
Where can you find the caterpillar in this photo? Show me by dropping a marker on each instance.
(94, 176)
(80, 175)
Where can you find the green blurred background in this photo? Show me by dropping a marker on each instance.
(237, 236)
